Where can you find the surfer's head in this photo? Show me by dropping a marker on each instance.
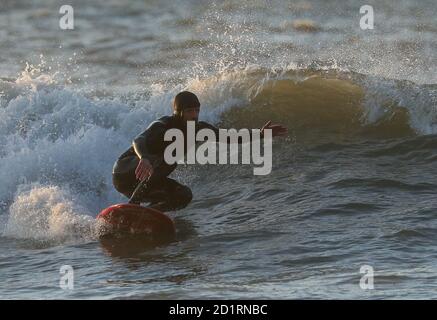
(186, 106)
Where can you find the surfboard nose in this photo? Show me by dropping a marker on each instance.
(133, 219)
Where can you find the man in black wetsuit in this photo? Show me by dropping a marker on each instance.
(145, 158)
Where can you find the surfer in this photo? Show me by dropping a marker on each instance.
(145, 158)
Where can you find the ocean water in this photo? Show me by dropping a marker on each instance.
(353, 183)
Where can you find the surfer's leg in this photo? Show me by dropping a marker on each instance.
(124, 183)
(168, 195)
(163, 194)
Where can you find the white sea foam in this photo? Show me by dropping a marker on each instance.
(48, 213)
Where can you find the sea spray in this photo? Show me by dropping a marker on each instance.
(48, 213)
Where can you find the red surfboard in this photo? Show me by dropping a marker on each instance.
(133, 219)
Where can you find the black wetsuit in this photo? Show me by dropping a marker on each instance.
(162, 192)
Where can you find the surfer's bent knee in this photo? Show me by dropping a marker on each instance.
(122, 184)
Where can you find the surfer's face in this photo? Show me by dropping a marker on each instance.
(191, 114)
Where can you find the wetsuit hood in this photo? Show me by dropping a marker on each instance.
(184, 100)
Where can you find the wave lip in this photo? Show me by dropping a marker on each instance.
(319, 101)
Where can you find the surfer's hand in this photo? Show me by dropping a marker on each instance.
(277, 129)
(144, 169)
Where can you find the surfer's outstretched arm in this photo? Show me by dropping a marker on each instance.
(277, 129)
